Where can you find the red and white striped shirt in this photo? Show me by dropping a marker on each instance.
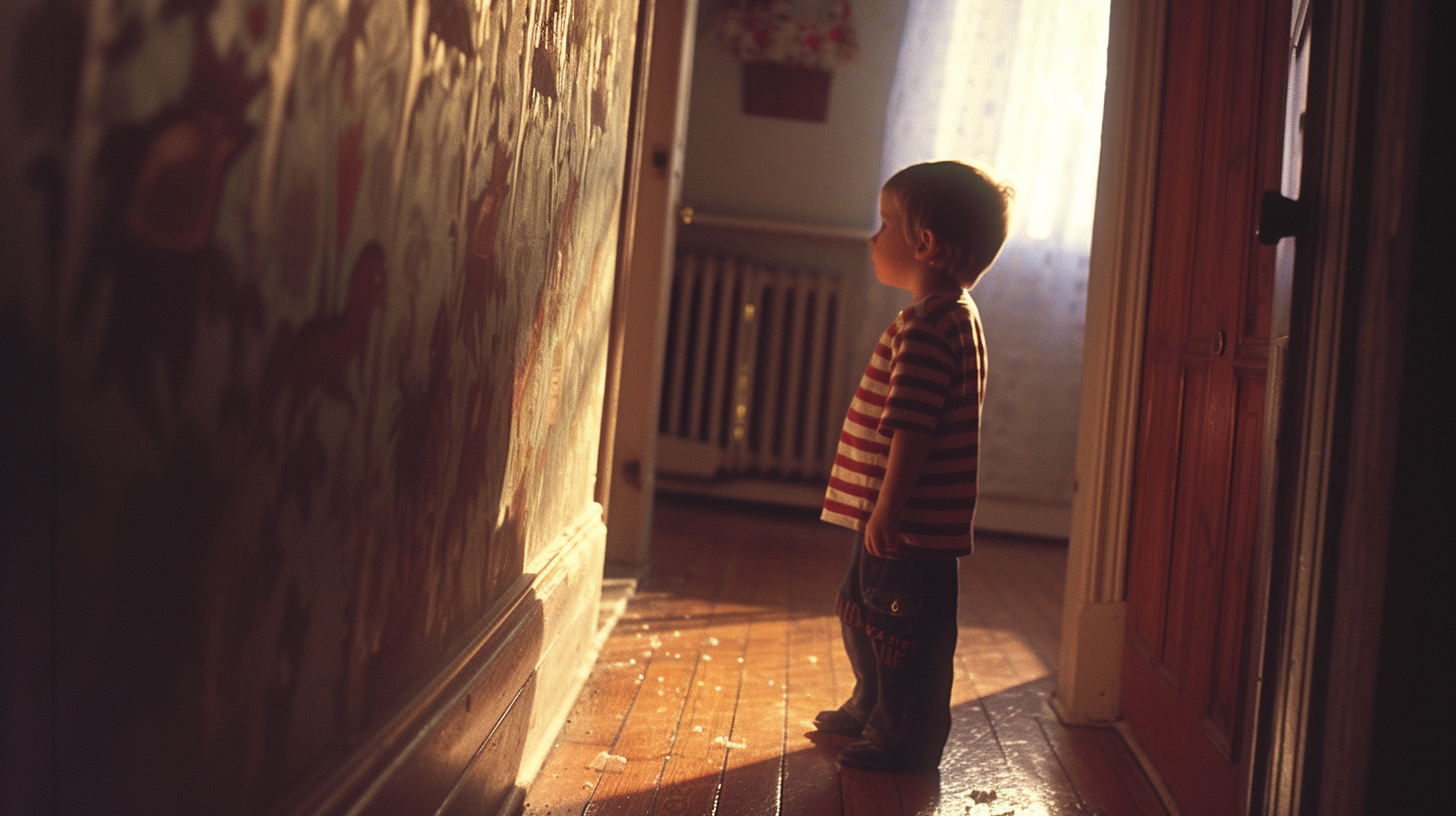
(927, 376)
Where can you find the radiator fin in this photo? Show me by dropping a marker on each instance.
(749, 373)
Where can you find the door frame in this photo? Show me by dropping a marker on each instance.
(1094, 602)
(627, 457)
(1338, 431)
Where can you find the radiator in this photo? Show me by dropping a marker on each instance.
(750, 381)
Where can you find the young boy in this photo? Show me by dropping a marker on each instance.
(905, 473)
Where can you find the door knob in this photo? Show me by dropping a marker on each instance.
(1279, 217)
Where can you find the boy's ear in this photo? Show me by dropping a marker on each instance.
(927, 248)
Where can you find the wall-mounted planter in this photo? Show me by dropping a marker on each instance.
(785, 91)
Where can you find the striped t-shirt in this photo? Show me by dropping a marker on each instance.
(927, 376)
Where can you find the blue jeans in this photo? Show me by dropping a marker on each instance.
(898, 618)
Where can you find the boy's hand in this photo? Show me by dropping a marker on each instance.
(882, 534)
(906, 457)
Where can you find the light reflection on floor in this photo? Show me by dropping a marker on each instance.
(989, 662)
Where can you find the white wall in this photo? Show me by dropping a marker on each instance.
(815, 172)
(829, 174)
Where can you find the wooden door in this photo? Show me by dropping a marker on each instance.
(1186, 676)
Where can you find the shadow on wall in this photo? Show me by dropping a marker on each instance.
(26, 570)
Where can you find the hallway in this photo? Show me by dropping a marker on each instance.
(708, 683)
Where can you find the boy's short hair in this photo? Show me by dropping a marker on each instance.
(963, 208)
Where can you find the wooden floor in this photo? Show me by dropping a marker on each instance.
(702, 699)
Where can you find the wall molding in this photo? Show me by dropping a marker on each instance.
(1117, 285)
(1026, 517)
(569, 586)
(488, 692)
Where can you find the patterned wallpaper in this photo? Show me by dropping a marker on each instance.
(327, 285)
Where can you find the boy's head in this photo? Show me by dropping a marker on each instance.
(965, 211)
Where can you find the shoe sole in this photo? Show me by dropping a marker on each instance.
(881, 764)
(839, 731)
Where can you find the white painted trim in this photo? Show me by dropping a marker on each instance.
(548, 560)
(1116, 311)
(1028, 517)
(649, 282)
(763, 491)
(999, 514)
(774, 226)
(578, 557)
(576, 554)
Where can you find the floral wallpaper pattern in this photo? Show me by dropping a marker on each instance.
(326, 285)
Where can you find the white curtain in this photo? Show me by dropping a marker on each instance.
(1016, 87)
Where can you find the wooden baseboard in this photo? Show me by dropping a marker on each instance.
(762, 491)
(472, 737)
(570, 594)
(1165, 795)
(1028, 517)
(999, 514)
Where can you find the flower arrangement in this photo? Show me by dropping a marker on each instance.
(784, 32)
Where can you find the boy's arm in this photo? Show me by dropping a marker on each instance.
(907, 456)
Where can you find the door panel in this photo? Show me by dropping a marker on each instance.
(1148, 566)
(1186, 675)
(1227, 673)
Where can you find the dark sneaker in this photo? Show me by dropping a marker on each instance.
(867, 756)
(835, 721)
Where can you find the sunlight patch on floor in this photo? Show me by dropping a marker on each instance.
(952, 793)
(991, 661)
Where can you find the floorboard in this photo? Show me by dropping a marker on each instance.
(703, 698)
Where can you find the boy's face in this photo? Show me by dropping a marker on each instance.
(897, 262)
